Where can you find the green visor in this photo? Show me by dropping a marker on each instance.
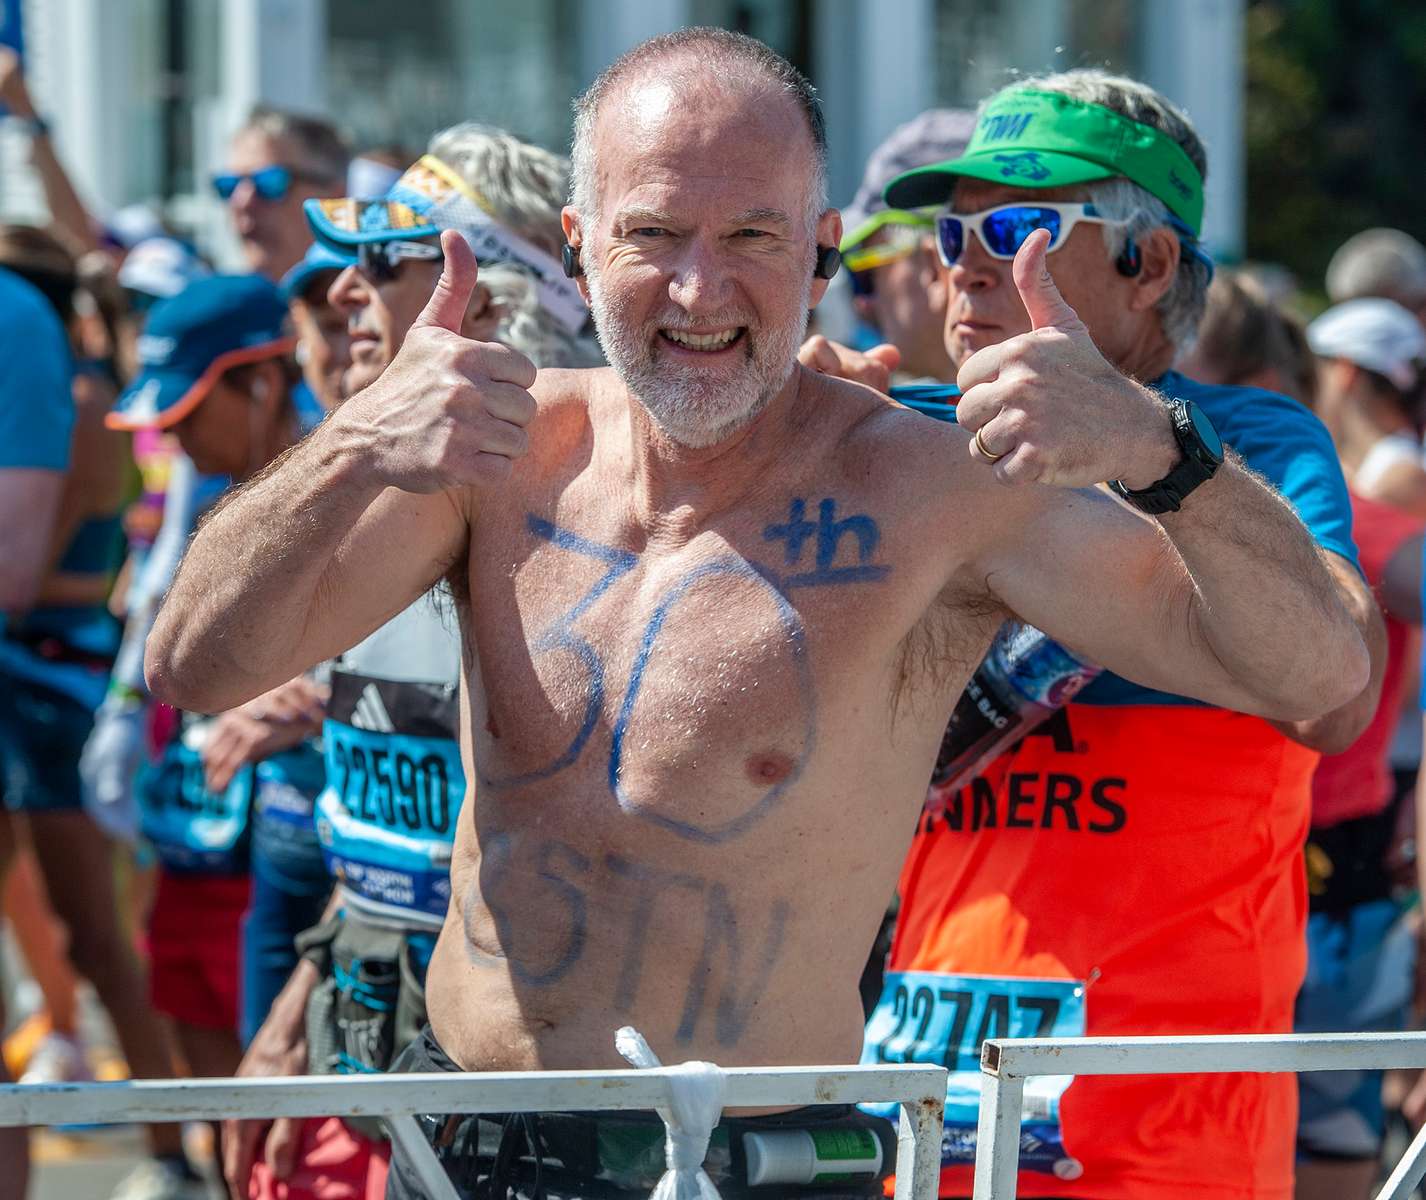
(921, 222)
(1032, 139)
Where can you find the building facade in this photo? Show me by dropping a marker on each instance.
(144, 93)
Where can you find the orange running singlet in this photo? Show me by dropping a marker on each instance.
(1152, 854)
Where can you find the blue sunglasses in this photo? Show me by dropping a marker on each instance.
(1003, 230)
(271, 183)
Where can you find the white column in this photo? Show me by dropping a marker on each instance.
(78, 58)
(1194, 55)
(874, 70)
(274, 52)
(895, 43)
(606, 30)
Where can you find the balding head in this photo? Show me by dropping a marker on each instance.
(682, 71)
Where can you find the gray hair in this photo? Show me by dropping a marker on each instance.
(523, 187)
(1379, 262)
(527, 326)
(322, 148)
(731, 60)
(1181, 308)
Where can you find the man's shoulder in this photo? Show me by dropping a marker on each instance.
(565, 394)
(566, 403)
(28, 315)
(878, 432)
(555, 386)
(36, 405)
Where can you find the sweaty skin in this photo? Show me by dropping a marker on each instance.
(704, 688)
(673, 775)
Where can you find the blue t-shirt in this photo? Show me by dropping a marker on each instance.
(36, 406)
(1282, 441)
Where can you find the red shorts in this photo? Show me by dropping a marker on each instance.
(193, 947)
(333, 1163)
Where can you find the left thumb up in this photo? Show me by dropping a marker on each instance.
(1042, 299)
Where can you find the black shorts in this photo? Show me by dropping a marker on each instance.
(42, 735)
(610, 1155)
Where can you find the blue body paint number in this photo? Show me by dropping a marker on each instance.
(561, 636)
(739, 568)
(827, 533)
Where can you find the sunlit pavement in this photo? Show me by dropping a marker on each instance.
(89, 1163)
(79, 1167)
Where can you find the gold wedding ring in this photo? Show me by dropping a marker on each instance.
(981, 446)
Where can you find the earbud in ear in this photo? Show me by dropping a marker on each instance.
(829, 258)
(569, 259)
(1130, 262)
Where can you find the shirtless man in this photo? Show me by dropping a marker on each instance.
(719, 607)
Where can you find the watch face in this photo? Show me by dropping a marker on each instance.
(1203, 427)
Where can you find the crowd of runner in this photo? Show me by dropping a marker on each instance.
(593, 698)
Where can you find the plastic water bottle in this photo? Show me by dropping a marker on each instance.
(1024, 678)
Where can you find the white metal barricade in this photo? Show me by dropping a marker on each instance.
(920, 1090)
(1005, 1064)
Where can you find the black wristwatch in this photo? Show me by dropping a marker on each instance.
(1202, 456)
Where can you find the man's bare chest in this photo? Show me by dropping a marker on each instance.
(656, 668)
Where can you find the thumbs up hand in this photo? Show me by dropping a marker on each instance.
(448, 411)
(1047, 407)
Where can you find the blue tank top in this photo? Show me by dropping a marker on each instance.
(70, 649)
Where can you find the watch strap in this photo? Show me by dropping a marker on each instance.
(1196, 466)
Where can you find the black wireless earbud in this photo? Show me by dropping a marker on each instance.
(569, 260)
(1129, 263)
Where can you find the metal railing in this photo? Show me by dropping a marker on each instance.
(1005, 1064)
(920, 1090)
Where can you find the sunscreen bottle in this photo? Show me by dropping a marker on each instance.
(811, 1155)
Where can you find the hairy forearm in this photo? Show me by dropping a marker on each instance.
(1295, 651)
(1335, 731)
(233, 621)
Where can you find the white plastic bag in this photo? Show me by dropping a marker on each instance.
(108, 766)
(695, 1106)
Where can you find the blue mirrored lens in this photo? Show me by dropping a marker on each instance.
(226, 185)
(1006, 230)
(950, 238)
(272, 182)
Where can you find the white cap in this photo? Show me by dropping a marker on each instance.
(161, 266)
(1378, 335)
(1378, 262)
(132, 224)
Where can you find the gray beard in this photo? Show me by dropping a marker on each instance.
(691, 409)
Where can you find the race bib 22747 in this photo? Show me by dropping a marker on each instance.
(929, 1017)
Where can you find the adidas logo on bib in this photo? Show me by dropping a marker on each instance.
(370, 712)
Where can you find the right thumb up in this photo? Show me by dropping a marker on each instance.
(447, 306)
